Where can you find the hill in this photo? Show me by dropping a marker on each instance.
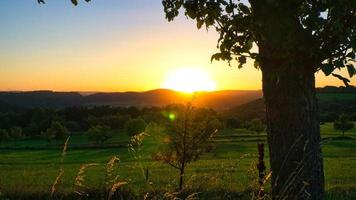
(40, 99)
(333, 101)
(160, 97)
(219, 100)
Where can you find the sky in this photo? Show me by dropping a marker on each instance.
(111, 45)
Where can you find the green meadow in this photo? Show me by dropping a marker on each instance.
(29, 167)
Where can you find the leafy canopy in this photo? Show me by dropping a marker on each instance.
(343, 123)
(188, 135)
(135, 126)
(328, 28)
(99, 134)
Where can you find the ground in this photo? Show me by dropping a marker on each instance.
(32, 166)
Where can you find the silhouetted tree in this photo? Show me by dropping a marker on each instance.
(4, 135)
(135, 126)
(56, 131)
(289, 41)
(16, 133)
(257, 126)
(189, 135)
(99, 134)
(233, 122)
(343, 124)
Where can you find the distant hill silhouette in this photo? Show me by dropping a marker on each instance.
(333, 101)
(41, 99)
(219, 100)
(248, 111)
(160, 97)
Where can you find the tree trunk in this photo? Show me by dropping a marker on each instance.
(181, 177)
(293, 131)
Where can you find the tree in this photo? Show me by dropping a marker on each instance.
(4, 135)
(289, 42)
(343, 124)
(99, 133)
(56, 131)
(257, 126)
(135, 126)
(16, 133)
(188, 137)
(234, 122)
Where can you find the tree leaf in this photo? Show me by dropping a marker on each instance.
(199, 23)
(351, 69)
(75, 2)
(327, 68)
(244, 8)
(351, 55)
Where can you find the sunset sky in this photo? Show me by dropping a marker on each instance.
(111, 45)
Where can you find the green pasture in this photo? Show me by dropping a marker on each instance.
(31, 166)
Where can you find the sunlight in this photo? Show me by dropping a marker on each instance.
(189, 80)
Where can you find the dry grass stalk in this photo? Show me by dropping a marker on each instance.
(64, 151)
(110, 165)
(115, 187)
(56, 181)
(79, 179)
(61, 170)
(193, 196)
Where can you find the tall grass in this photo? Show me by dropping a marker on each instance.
(61, 170)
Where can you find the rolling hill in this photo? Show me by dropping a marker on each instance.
(160, 97)
(219, 100)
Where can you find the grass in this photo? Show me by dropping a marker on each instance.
(229, 169)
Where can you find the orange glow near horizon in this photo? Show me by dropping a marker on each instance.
(189, 80)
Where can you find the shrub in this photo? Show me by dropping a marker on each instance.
(4, 135)
(56, 131)
(135, 126)
(343, 124)
(99, 134)
(16, 133)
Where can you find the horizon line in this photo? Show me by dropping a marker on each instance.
(141, 91)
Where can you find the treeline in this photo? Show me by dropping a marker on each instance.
(334, 89)
(76, 119)
(34, 122)
(58, 123)
(329, 110)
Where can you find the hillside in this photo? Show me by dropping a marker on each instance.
(219, 100)
(332, 101)
(160, 97)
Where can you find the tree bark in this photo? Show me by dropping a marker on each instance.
(181, 177)
(293, 131)
(288, 60)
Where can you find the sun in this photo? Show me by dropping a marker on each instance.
(189, 80)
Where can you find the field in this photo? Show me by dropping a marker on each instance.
(29, 168)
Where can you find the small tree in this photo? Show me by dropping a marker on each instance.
(343, 124)
(16, 133)
(135, 126)
(233, 122)
(99, 134)
(4, 135)
(56, 131)
(257, 126)
(188, 137)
